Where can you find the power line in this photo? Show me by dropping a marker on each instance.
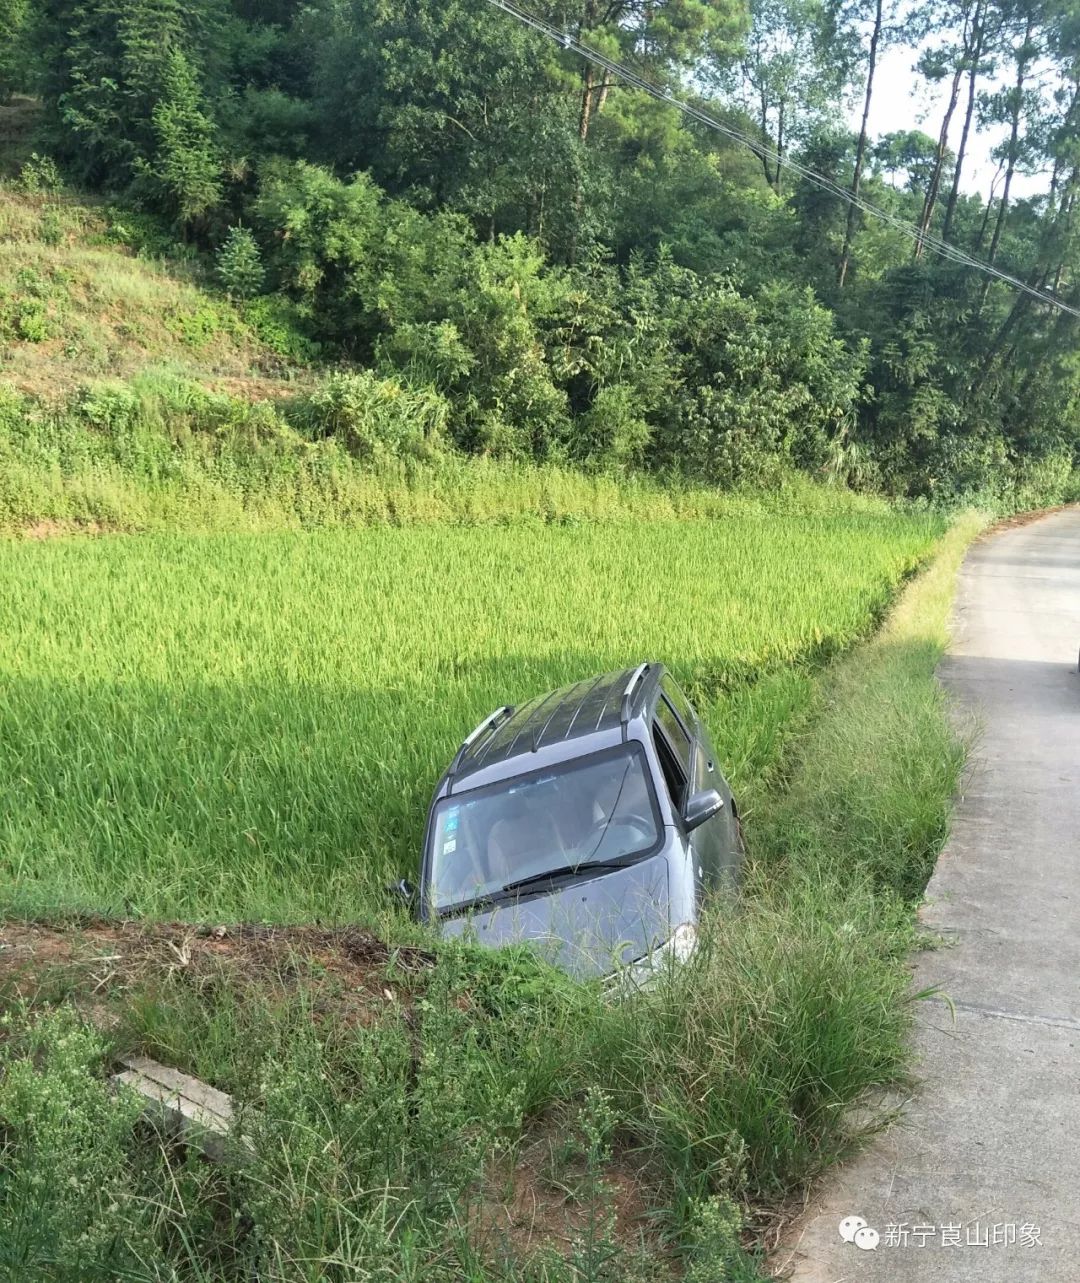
(629, 76)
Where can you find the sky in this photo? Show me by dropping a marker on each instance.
(903, 100)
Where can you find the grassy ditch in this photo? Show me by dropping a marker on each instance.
(449, 1115)
(868, 787)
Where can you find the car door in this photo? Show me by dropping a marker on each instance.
(715, 843)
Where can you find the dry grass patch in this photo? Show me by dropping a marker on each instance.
(97, 961)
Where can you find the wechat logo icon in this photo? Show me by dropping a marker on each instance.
(853, 1229)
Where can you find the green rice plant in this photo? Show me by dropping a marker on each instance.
(252, 727)
(869, 793)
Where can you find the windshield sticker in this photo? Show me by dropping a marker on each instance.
(451, 821)
(449, 847)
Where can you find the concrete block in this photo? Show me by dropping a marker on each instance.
(184, 1106)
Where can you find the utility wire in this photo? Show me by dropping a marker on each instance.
(629, 76)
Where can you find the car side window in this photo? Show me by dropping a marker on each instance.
(674, 775)
(677, 700)
(677, 734)
(673, 749)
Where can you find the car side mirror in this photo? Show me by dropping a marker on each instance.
(702, 807)
(403, 890)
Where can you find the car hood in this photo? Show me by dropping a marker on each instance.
(588, 928)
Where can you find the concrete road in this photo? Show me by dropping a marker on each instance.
(988, 1149)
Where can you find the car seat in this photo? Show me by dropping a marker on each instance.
(518, 838)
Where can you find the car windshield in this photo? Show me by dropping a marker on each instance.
(594, 811)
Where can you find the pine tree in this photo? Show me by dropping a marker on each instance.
(186, 163)
(87, 121)
(239, 263)
(150, 31)
(14, 22)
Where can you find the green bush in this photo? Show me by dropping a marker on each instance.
(31, 321)
(278, 325)
(161, 451)
(147, 234)
(110, 407)
(40, 175)
(375, 417)
(613, 432)
(1042, 482)
(66, 1202)
(199, 326)
(52, 227)
(767, 385)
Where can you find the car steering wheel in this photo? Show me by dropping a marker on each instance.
(601, 826)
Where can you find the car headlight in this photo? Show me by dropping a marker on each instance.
(676, 949)
(683, 942)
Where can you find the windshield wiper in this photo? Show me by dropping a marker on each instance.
(491, 899)
(550, 875)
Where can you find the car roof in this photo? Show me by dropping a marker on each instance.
(594, 708)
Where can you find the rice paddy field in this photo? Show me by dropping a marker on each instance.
(250, 726)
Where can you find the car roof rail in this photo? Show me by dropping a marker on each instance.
(628, 694)
(490, 722)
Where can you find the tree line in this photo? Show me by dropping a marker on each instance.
(581, 271)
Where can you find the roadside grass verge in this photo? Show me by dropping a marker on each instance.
(464, 1115)
(739, 1074)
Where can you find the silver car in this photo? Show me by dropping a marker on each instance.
(591, 822)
